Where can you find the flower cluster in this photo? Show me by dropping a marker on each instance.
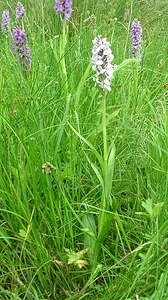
(20, 47)
(64, 7)
(5, 21)
(102, 58)
(136, 36)
(20, 10)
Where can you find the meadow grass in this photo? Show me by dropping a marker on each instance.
(49, 213)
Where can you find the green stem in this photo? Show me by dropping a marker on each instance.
(105, 147)
(104, 201)
(102, 219)
(63, 42)
(136, 82)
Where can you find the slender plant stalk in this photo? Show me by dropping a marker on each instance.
(63, 42)
(104, 201)
(136, 75)
(105, 147)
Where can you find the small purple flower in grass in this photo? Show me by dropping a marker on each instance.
(5, 21)
(20, 47)
(102, 58)
(136, 36)
(20, 10)
(64, 7)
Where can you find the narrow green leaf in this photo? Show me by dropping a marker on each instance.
(4, 236)
(112, 115)
(96, 172)
(62, 125)
(157, 208)
(111, 160)
(81, 83)
(120, 225)
(108, 119)
(104, 225)
(89, 240)
(125, 63)
(148, 206)
(89, 145)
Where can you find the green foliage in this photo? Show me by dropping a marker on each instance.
(55, 220)
(152, 210)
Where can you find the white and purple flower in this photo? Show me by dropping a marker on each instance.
(20, 10)
(102, 58)
(5, 21)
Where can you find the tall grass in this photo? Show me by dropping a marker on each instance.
(49, 222)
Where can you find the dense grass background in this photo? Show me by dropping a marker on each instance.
(41, 215)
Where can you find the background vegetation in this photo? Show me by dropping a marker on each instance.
(42, 241)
